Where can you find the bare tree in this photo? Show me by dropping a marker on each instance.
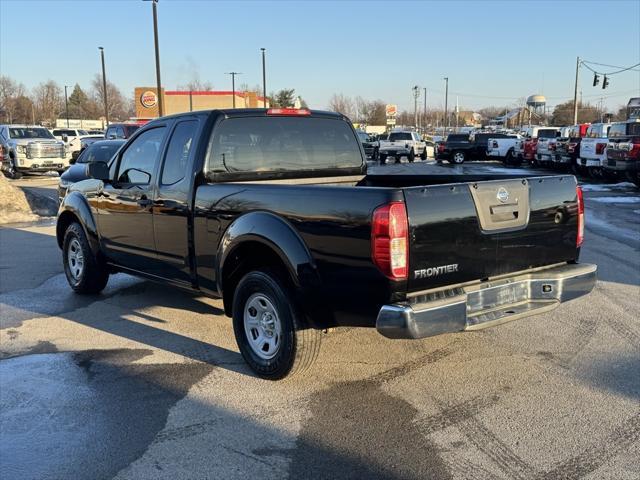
(49, 102)
(342, 104)
(196, 85)
(10, 91)
(119, 106)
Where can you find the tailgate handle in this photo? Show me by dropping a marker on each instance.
(501, 213)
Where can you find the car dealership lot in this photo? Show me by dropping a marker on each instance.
(144, 381)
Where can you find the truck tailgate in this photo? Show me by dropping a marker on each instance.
(464, 232)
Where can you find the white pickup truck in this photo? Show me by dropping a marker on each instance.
(403, 144)
(593, 148)
(544, 148)
(504, 148)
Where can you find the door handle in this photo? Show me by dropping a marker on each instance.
(144, 201)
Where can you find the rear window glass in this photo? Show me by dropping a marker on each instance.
(19, 132)
(624, 130)
(281, 144)
(547, 133)
(394, 137)
(101, 152)
(68, 133)
(458, 138)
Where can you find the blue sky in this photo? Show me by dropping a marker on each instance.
(493, 52)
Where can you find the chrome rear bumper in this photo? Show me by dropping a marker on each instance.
(486, 304)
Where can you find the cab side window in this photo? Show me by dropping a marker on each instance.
(177, 157)
(138, 161)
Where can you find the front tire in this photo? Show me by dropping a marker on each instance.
(423, 155)
(85, 273)
(268, 327)
(383, 159)
(412, 155)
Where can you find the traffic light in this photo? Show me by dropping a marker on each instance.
(605, 82)
(596, 79)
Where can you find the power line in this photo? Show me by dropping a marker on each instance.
(621, 69)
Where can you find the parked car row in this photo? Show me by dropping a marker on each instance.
(396, 144)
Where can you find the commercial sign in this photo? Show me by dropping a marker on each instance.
(391, 121)
(149, 99)
(392, 110)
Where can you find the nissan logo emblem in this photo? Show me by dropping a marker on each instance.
(503, 194)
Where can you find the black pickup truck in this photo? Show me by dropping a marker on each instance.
(461, 147)
(274, 212)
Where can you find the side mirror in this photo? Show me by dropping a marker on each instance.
(97, 170)
(73, 160)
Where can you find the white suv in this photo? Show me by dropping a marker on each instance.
(403, 144)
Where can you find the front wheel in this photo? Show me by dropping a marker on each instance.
(383, 159)
(84, 272)
(458, 158)
(268, 328)
(423, 155)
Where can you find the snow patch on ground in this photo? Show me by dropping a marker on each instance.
(599, 223)
(14, 206)
(616, 199)
(598, 187)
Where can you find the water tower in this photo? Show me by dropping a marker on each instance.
(536, 104)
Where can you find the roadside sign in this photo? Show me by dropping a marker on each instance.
(391, 121)
(392, 110)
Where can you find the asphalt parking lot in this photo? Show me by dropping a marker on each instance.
(144, 381)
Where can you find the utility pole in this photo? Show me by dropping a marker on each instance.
(66, 105)
(104, 89)
(424, 123)
(575, 94)
(416, 94)
(157, 48)
(264, 79)
(446, 103)
(233, 85)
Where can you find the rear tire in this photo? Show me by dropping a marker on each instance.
(423, 155)
(411, 156)
(85, 273)
(268, 327)
(458, 158)
(383, 159)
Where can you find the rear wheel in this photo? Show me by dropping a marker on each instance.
(84, 272)
(383, 159)
(412, 155)
(268, 327)
(423, 155)
(458, 158)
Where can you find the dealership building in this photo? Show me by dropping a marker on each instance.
(178, 101)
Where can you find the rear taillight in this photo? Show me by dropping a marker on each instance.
(389, 240)
(288, 111)
(441, 147)
(635, 148)
(495, 144)
(552, 146)
(580, 236)
(600, 148)
(572, 147)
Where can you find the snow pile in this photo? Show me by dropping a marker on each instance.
(14, 206)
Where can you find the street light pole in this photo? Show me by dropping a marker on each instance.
(575, 94)
(424, 123)
(446, 103)
(66, 105)
(104, 88)
(416, 94)
(264, 79)
(233, 85)
(157, 48)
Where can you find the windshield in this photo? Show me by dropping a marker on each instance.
(281, 144)
(363, 137)
(100, 152)
(394, 137)
(29, 132)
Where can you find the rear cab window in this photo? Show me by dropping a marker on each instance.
(277, 145)
(399, 136)
(624, 130)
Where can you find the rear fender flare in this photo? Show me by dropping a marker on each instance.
(276, 233)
